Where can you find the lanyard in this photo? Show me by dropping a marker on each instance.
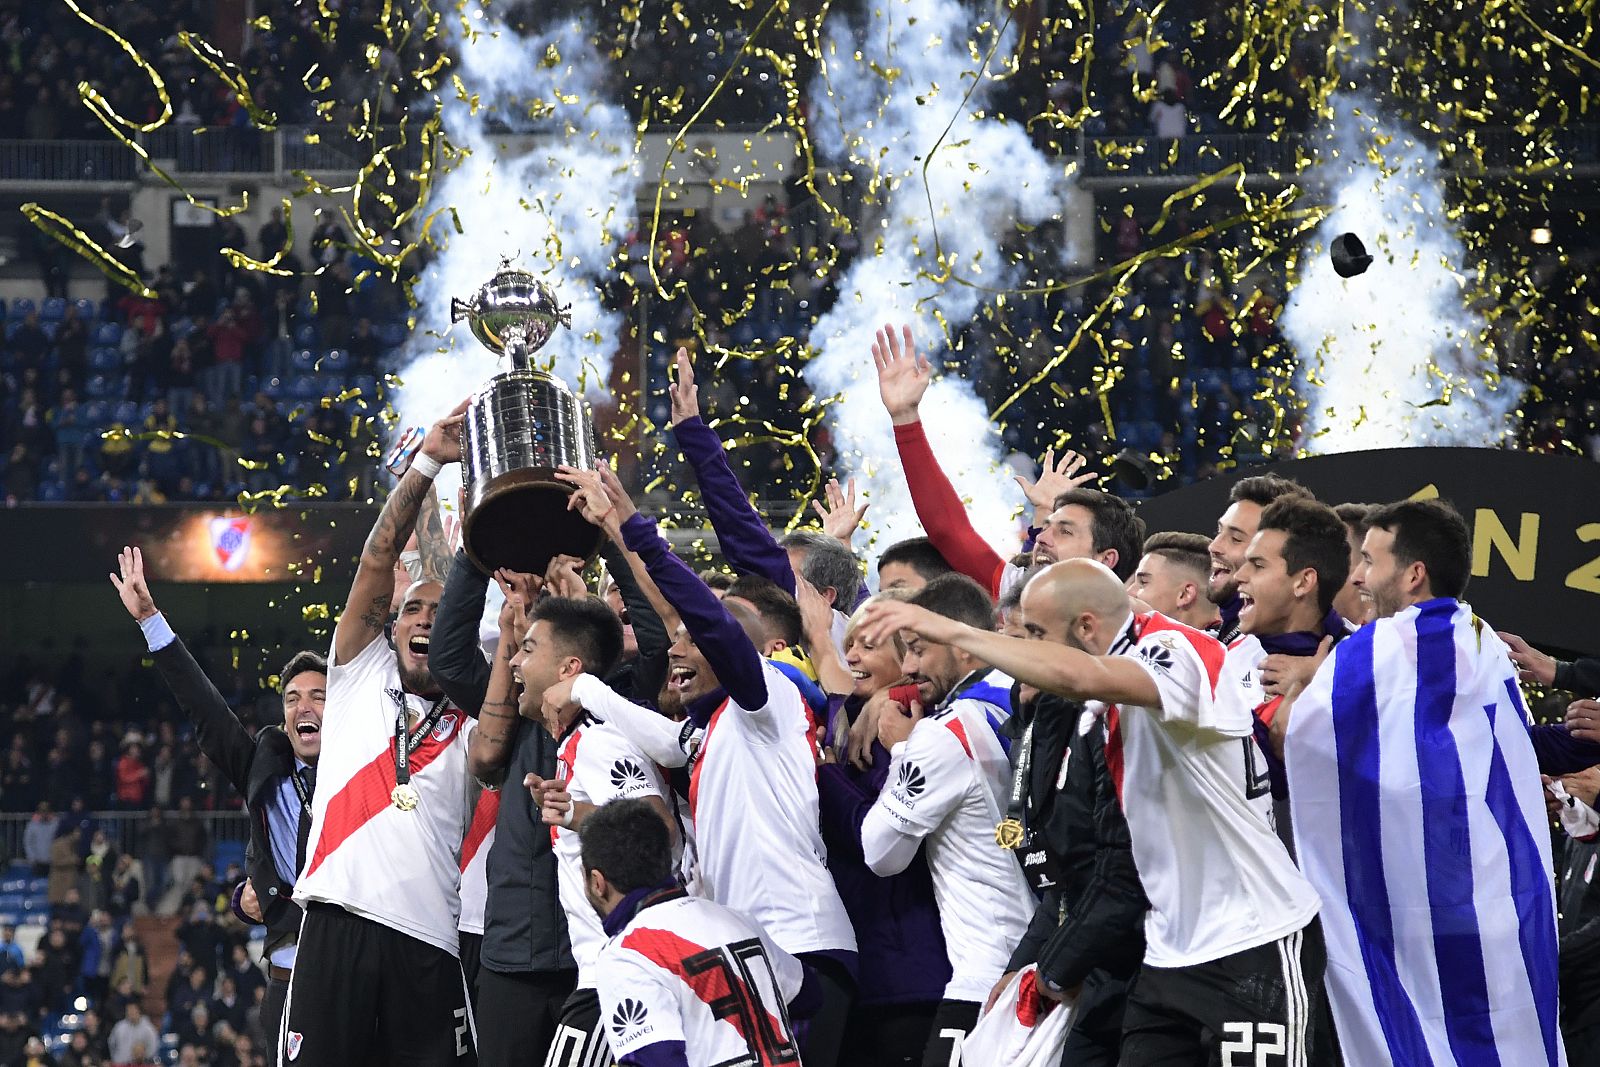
(404, 745)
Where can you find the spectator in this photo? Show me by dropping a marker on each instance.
(155, 852)
(132, 775)
(97, 943)
(1169, 119)
(71, 429)
(15, 1033)
(131, 965)
(127, 886)
(134, 1040)
(55, 969)
(65, 865)
(30, 343)
(189, 985)
(98, 865)
(228, 338)
(17, 786)
(188, 841)
(202, 937)
(228, 1006)
(10, 951)
(195, 1028)
(244, 971)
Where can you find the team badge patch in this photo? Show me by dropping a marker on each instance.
(291, 1048)
(446, 727)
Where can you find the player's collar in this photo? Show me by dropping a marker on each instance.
(638, 900)
(1128, 636)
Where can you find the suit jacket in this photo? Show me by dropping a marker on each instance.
(255, 766)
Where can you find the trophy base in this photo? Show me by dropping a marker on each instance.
(520, 521)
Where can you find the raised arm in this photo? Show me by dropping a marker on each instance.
(1051, 667)
(747, 544)
(367, 608)
(650, 631)
(219, 733)
(489, 748)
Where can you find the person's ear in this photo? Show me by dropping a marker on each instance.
(1188, 593)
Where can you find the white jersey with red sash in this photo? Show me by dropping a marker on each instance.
(688, 972)
(475, 861)
(396, 867)
(1194, 788)
(599, 765)
(753, 793)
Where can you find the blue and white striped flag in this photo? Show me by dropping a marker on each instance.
(1419, 819)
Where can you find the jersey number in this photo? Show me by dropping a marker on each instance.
(1262, 1039)
(461, 1031)
(766, 1034)
(1257, 780)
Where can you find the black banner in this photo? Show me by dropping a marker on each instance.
(1535, 523)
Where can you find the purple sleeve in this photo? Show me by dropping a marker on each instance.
(843, 801)
(660, 1054)
(717, 634)
(1560, 753)
(747, 544)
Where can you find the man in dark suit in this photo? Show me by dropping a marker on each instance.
(275, 771)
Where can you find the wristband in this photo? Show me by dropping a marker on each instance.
(427, 466)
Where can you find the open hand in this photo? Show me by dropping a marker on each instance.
(884, 618)
(1054, 479)
(443, 442)
(903, 375)
(564, 578)
(684, 393)
(130, 587)
(1532, 665)
(1583, 720)
(841, 517)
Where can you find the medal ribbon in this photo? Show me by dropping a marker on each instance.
(404, 745)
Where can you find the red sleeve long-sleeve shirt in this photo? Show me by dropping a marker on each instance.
(942, 513)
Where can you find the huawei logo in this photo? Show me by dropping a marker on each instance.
(626, 774)
(1158, 657)
(628, 1016)
(910, 781)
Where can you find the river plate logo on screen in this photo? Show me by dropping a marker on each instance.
(230, 540)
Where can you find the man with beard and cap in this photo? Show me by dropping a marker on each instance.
(1235, 530)
(275, 772)
(751, 744)
(378, 976)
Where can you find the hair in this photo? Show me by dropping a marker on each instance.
(1011, 598)
(1433, 533)
(779, 611)
(716, 578)
(1114, 525)
(1314, 538)
(955, 596)
(586, 628)
(298, 664)
(828, 564)
(1263, 489)
(919, 554)
(1354, 516)
(1189, 550)
(876, 598)
(627, 841)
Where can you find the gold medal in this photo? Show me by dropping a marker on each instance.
(405, 797)
(1008, 834)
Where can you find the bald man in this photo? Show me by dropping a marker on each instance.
(1234, 958)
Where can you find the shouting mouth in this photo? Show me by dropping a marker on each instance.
(680, 678)
(418, 646)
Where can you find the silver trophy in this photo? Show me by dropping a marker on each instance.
(521, 426)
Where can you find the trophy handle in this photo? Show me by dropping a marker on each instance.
(460, 309)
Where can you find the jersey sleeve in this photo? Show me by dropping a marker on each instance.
(1189, 685)
(784, 707)
(651, 732)
(928, 775)
(637, 1001)
(617, 770)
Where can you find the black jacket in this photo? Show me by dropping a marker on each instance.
(255, 766)
(1094, 921)
(524, 929)
(1579, 928)
(1580, 677)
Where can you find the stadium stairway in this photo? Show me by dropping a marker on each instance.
(159, 936)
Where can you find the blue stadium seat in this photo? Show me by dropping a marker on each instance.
(100, 386)
(38, 887)
(54, 309)
(1244, 381)
(108, 333)
(50, 326)
(97, 412)
(2, 309)
(335, 361)
(227, 852)
(12, 327)
(127, 413)
(52, 492)
(88, 310)
(305, 335)
(305, 387)
(304, 361)
(367, 384)
(21, 308)
(392, 334)
(12, 887)
(105, 360)
(275, 387)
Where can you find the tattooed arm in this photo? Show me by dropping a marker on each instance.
(489, 749)
(367, 609)
(433, 544)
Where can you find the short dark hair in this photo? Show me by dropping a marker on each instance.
(1263, 489)
(779, 611)
(627, 841)
(298, 664)
(1189, 550)
(716, 578)
(586, 628)
(1011, 595)
(919, 554)
(829, 564)
(1314, 538)
(1114, 525)
(955, 596)
(1354, 516)
(1433, 533)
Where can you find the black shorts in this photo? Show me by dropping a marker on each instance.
(952, 1022)
(580, 1038)
(1257, 1008)
(365, 993)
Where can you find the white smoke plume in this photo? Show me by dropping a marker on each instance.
(1393, 357)
(558, 209)
(889, 90)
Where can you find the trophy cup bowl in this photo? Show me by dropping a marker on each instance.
(520, 427)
